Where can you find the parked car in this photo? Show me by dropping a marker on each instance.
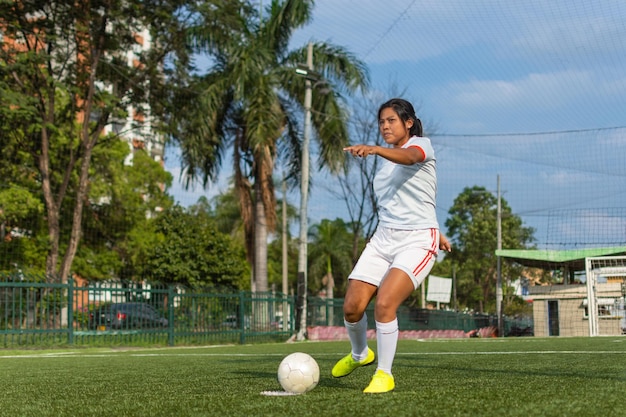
(126, 316)
(521, 331)
(278, 321)
(233, 322)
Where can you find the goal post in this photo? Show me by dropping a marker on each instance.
(605, 276)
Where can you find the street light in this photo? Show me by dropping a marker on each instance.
(308, 73)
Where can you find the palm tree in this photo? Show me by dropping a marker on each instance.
(331, 246)
(251, 100)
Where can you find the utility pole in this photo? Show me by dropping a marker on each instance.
(304, 196)
(286, 316)
(499, 266)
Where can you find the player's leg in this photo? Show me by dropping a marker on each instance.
(396, 288)
(364, 281)
(408, 270)
(356, 300)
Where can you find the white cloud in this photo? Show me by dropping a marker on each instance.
(592, 227)
(562, 178)
(539, 91)
(574, 38)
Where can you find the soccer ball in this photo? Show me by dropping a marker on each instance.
(298, 373)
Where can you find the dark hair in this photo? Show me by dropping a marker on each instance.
(406, 112)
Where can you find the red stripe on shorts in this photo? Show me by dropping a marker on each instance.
(431, 253)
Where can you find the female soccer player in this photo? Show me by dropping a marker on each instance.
(403, 249)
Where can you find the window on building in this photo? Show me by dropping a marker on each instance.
(607, 308)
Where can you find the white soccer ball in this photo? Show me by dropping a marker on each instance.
(298, 373)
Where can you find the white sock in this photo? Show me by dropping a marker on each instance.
(387, 342)
(357, 332)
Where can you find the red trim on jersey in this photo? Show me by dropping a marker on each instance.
(431, 253)
(421, 150)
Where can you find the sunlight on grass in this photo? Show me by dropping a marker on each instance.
(484, 377)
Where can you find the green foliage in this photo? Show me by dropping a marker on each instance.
(227, 213)
(190, 250)
(122, 198)
(22, 245)
(275, 250)
(329, 255)
(51, 304)
(275, 263)
(97, 263)
(81, 315)
(17, 204)
(517, 307)
(251, 100)
(24, 254)
(54, 107)
(472, 227)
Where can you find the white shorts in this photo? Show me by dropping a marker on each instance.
(412, 251)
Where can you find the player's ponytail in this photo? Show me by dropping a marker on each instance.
(416, 129)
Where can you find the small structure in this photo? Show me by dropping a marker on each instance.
(563, 309)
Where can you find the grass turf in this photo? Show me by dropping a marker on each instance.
(469, 377)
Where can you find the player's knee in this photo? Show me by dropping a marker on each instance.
(352, 313)
(385, 310)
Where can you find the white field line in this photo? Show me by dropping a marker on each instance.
(256, 355)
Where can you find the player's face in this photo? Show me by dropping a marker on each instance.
(393, 129)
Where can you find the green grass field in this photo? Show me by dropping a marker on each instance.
(469, 377)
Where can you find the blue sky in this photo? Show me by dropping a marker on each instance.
(492, 75)
(490, 66)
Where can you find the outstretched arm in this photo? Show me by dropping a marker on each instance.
(403, 156)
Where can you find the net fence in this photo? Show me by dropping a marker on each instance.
(569, 186)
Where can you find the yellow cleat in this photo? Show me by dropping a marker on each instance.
(347, 364)
(381, 382)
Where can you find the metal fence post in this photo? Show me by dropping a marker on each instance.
(242, 315)
(170, 314)
(70, 310)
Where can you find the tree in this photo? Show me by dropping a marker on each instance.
(65, 76)
(254, 99)
(471, 227)
(275, 265)
(283, 250)
(329, 259)
(189, 250)
(227, 212)
(122, 197)
(20, 211)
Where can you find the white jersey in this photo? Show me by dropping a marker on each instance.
(407, 194)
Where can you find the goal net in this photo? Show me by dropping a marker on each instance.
(606, 291)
